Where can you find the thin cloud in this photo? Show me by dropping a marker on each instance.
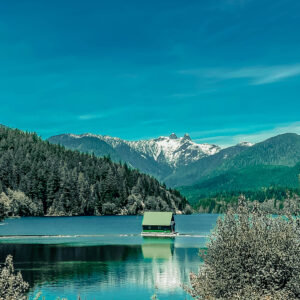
(255, 137)
(263, 135)
(91, 117)
(278, 74)
(258, 75)
(102, 115)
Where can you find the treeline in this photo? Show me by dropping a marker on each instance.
(272, 199)
(39, 178)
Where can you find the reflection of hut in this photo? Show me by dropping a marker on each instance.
(158, 224)
(157, 251)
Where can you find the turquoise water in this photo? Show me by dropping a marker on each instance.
(104, 257)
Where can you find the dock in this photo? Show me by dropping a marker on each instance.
(159, 234)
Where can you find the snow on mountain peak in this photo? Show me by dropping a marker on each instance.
(173, 136)
(245, 144)
(171, 150)
(187, 137)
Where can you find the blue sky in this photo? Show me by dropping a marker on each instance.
(223, 71)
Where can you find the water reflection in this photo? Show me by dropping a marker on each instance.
(103, 257)
(158, 248)
(92, 270)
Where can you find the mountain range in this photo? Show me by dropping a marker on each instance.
(160, 157)
(200, 169)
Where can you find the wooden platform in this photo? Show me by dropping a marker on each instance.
(160, 234)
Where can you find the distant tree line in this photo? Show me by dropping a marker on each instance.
(38, 178)
(272, 199)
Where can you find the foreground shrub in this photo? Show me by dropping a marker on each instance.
(250, 255)
(12, 285)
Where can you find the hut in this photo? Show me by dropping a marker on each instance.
(158, 223)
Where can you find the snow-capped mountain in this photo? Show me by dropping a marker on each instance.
(160, 157)
(170, 150)
(174, 151)
(178, 161)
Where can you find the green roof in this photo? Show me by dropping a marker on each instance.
(157, 218)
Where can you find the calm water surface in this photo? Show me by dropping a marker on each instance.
(103, 257)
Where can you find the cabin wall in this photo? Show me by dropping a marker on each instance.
(156, 228)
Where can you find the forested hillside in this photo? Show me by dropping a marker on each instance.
(273, 199)
(246, 179)
(194, 172)
(86, 144)
(262, 183)
(278, 151)
(38, 178)
(272, 164)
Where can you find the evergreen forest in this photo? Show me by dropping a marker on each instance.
(38, 178)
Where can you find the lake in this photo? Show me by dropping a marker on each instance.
(104, 257)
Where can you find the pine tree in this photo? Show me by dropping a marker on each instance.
(56, 181)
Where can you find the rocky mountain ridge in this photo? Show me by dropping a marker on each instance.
(159, 157)
(170, 150)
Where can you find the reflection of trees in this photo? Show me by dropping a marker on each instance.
(41, 263)
(103, 266)
(58, 253)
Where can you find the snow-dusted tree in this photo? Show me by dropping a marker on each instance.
(250, 255)
(12, 285)
(21, 205)
(5, 205)
(16, 203)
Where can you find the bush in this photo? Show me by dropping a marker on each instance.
(16, 203)
(109, 208)
(188, 210)
(250, 255)
(12, 285)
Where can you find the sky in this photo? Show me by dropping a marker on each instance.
(224, 71)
